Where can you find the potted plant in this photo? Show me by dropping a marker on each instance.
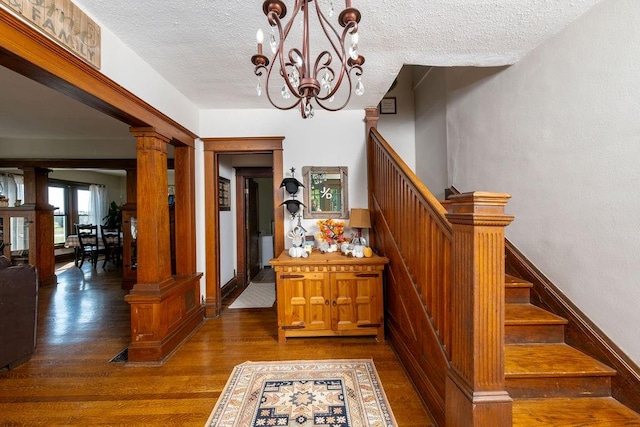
(114, 216)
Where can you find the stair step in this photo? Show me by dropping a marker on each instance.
(517, 290)
(554, 370)
(573, 412)
(527, 323)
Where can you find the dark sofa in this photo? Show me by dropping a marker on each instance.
(18, 313)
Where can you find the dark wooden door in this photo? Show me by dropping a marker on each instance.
(253, 229)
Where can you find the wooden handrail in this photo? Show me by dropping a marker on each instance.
(445, 289)
(422, 233)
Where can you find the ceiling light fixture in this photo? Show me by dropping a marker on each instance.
(295, 74)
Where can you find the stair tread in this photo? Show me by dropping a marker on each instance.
(583, 411)
(516, 282)
(529, 314)
(540, 360)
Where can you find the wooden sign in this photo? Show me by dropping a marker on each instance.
(64, 22)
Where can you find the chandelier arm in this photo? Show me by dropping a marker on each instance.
(357, 70)
(345, 69)
(324, 23)
(281, 49)
(274, 20)
(326, 65)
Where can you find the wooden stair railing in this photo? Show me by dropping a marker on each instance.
(444, 290)
(478, 350)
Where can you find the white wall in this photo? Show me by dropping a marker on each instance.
(125, 67)
(559, 131)
(399, 129)
(431, 128)
(328, 139)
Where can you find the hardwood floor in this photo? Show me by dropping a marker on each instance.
(84, 322)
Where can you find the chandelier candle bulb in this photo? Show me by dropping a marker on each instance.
(260, 39)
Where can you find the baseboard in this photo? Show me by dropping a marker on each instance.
(229, 287)
(581, 332)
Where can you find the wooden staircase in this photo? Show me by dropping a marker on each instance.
(552, 383)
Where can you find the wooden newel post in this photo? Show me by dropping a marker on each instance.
(475, 387)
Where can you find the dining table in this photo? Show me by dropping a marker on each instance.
(73, 241)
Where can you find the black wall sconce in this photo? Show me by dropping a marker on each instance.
(292, 186)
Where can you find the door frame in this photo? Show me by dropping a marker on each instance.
(213, 147)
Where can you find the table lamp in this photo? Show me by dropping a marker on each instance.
(359, 219)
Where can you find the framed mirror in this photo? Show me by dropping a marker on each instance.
(325, 192)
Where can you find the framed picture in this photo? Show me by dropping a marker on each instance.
(224, 186)
(388, 106)
(325, 192)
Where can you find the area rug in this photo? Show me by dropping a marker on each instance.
(303, 393)
(257, 295)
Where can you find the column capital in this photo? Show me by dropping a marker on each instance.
(148, 132)
(371, 118)
(479, 208)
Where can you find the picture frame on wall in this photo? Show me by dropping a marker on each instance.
(224, 187)
(388, 105)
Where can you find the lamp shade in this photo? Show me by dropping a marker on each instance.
(360, 218)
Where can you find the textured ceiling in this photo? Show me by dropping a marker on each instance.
(203, 47)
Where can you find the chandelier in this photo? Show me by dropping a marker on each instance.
(301, 76)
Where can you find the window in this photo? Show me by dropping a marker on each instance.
(57, 198)
(84, 206)
(73, 205)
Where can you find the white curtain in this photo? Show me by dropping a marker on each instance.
(19, 187)
(97, 204)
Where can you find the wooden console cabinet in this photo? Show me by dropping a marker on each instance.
(329, 295)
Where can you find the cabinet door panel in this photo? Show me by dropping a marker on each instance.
(355, 300)
(306, 299)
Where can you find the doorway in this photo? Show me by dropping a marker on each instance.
(255, 220)
(215, 227)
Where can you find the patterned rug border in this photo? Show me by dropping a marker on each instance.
(370, 386)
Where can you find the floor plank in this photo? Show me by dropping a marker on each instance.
(84, 322)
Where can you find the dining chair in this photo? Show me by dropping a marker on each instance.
(89, 243)
(112, 243)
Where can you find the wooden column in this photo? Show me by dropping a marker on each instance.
(129, 273)
(475, 386)
(185, 210)
(371, 119)
(36, 195)
(154, 255)
(164, 309)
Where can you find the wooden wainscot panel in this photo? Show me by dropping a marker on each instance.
(163, 318)
(143, 321)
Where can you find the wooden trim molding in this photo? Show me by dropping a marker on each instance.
(212, 148)
(580, 332)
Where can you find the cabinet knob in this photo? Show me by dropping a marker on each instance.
(334, 303)
(326, 302)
